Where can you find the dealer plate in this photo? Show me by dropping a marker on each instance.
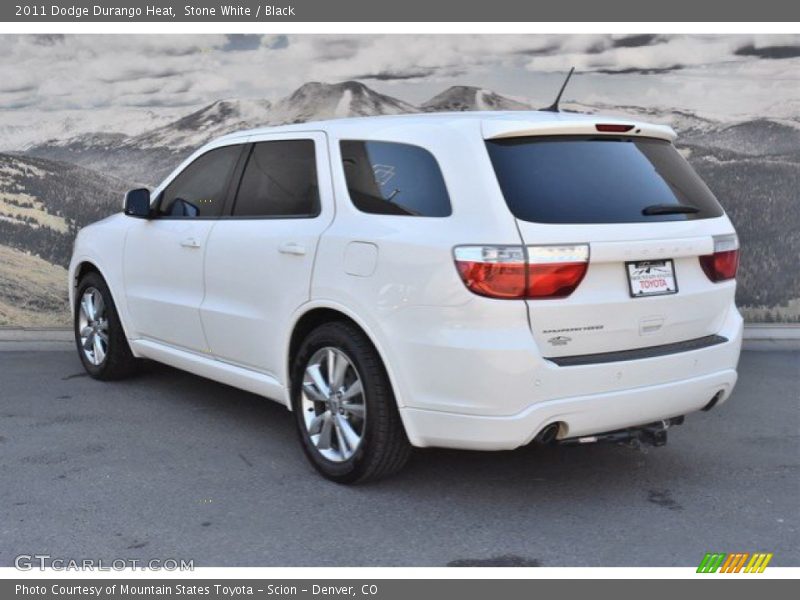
(651, 278)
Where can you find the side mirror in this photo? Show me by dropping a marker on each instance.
(137, 203)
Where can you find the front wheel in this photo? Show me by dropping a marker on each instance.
(344, 407)
(102, 345)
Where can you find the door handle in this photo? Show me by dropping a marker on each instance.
(190, 243)
(292, 248)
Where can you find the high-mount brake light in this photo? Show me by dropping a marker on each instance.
(723, 264)
(613, 127)
(515, 272)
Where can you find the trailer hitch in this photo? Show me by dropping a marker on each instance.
(652, 434)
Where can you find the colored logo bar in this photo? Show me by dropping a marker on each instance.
(737, 562)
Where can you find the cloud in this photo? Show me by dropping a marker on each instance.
(770, 52)
(639, 71)
(132, 73)
(398, 75)
(275, 42)
(62, 72)
(13, 87)
(638, 41)
(239, 42)
(48, 39)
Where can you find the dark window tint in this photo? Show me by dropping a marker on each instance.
(202, 185)
(597, 180)
(394, 179)
(280, 180)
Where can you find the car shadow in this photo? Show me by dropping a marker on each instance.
(599, 466)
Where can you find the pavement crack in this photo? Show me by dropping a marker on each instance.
(74, 375)
(664, 499)
(505, 560)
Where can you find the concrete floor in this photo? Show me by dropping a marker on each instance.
(169, 465)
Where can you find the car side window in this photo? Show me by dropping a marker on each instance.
(201, 188)
(389, 178)
(280, 180)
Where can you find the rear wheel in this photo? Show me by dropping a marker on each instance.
(102, 345)
(344, 407)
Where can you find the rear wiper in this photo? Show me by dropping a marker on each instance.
(669, 209)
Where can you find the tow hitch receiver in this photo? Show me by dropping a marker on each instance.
(652, 434)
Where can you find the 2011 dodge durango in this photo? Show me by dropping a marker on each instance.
(466, 280)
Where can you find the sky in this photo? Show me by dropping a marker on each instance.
(51, 77)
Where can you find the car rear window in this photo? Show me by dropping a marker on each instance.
(597, 179)
(388, 178)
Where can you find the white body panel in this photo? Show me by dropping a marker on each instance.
(163, 272)
(467, 371)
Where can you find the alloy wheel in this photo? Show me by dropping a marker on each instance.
(333, 404)
(93, 326)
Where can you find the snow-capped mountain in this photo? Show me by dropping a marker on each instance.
(750, 163)
(21, 129)
(149, 156)
(314, 101)
(680, 120)
(464, 97)
(211, 121)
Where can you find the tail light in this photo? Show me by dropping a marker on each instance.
(722, 265)
(555, 271)
(516, 272)
(493, 271)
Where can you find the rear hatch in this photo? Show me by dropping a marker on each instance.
(659, 253)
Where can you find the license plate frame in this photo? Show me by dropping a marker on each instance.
(667, 267)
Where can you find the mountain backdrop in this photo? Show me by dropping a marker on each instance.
(52, 186)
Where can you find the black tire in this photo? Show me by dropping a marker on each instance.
(384, 448)
(118, 362)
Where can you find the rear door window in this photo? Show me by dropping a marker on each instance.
(280, 180)
(597, 179)
(388, 178)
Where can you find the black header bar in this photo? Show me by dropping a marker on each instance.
(255, 11)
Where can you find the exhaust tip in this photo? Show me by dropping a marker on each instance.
(547, 435)
(713, 402)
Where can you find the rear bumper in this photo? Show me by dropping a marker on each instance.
(579, 416)
(518, 393)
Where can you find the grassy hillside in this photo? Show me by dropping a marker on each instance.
(762, 198)
(43, 203)
(33, 292)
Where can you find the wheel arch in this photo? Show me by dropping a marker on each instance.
(83, 267)
(310, 317)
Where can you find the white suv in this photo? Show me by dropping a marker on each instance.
(468, 280)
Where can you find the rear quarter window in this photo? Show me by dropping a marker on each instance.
(597, 179)
(388, 178)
